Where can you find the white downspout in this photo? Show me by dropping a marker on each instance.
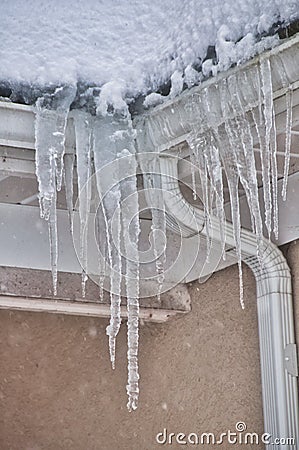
(274, 305)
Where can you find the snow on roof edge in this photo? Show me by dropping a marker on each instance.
(113, 93)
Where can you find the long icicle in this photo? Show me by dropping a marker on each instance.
(131, 230)
(215, 171)
(288, 141)
(101, 237)
(151, 173)
(229, 144)
(53, 237)
(250, 94)
(246, 162)
(61, 100)
(265, 163)
(106, 148)
(69, 160)
(259, 125)
(273, 146)
(158, 226)
(83, 153)
(50, 124)
(270, 135)
(198, 145)
(233, 181)
(45, 125)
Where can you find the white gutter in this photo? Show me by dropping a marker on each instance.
(275, 310)
(170, 123)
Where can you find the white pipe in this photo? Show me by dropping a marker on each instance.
(173, 199)
(275, 310)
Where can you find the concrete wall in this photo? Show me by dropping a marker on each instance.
(199, 373)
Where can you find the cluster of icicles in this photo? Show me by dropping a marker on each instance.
(99, 141)
(219, 141)
(233, 115)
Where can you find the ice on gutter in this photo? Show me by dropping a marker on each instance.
(222, 121)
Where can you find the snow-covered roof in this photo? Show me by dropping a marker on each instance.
(133, 47)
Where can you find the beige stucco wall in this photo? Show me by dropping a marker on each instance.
(199, 373)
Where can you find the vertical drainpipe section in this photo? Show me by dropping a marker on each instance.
(278, 355)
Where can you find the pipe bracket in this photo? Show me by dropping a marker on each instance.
(290, 359)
